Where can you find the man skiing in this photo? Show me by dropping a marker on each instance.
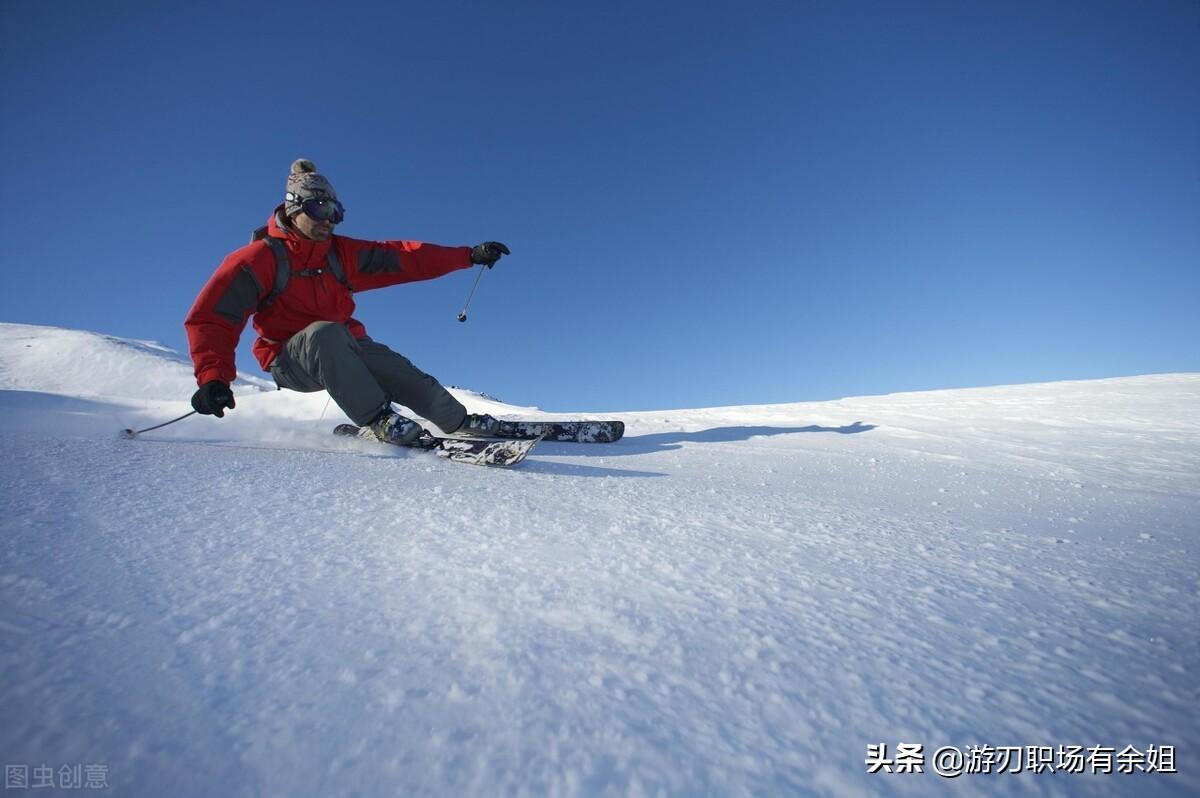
(297, 281)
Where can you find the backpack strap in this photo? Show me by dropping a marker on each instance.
(283, 266)
(283, 269)
(335, 266)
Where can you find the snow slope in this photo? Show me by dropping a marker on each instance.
(730, 601)
(87, 364)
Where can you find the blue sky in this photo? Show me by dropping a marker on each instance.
(707, 203)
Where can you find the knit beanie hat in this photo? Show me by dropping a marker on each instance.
(304, 184)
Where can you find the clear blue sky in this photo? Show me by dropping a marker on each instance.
(707, 203)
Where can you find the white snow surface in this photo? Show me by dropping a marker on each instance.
(729, 601)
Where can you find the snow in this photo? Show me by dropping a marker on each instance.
(730, 601)
(85, 364)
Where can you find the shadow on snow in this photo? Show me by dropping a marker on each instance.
(559, 469)
(670, 441)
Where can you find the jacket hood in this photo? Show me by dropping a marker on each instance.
(277, 226)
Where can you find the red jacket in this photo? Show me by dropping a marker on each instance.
(245, 278)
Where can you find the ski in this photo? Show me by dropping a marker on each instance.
(584, 431)
(461, 450)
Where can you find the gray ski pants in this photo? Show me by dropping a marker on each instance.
(362, 376)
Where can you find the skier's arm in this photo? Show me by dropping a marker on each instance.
(219, 315)
(376, 264)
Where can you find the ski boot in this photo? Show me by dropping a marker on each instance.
(394, 428)
(478, 424)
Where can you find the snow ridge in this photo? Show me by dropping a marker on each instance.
(88, 364)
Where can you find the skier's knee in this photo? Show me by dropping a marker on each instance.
(328, 333)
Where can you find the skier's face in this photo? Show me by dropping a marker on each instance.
(311, 228)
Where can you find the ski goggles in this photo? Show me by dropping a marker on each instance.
(322, 210)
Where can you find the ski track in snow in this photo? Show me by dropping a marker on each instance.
(730, 601)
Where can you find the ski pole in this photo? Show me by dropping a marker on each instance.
(462, 314)
(130, 433)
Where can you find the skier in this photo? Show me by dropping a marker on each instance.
(297, 282)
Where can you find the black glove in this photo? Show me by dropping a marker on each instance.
(488, 253)
(211, 398)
